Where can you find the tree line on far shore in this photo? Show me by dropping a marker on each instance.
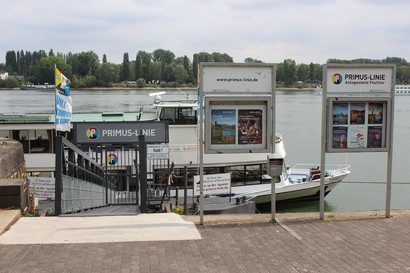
(160, 68)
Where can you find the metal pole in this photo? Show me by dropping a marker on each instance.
(390, 152)
(185, 189)
(201, 150)
(323, 149)
(273, 198)
(273, 143)
(58, 175)
(143, 172)
(388, 184)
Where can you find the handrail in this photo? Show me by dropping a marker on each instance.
(335, 166)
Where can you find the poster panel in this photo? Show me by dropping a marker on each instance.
(357, 124)
(232, 127)
(223, 128)
(250, 126)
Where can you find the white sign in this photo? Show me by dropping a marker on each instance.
(214, 184)
(237, 78)
(42, 187)
(160, 151)
(359, 80)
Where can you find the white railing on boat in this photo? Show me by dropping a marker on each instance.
(342, 167)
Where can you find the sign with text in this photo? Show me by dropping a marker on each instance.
(120, 132)
(42, 187)
(160, 151)
(275, 165)
(225, 78)
(359, 101)
(213, 184)
(359, 79)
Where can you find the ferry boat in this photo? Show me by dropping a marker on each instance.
(248, 172)
(30, 86)
(249, 178)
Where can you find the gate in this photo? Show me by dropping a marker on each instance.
(135, 183)
(120, 147)
(120, 164)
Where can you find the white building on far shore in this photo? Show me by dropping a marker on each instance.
(4, 75)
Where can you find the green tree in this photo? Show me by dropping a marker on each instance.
(161, 55)
(138, 66)
(125, 69)
(280, 78)
(403, 74)
(221, 58)
(289, 71)
(11, 61)
(88, 63)
(312, 75)
(141, 82)
(146, 63)
(10, 82)
(303, 72)
(156, 70)
(108, 73)
(180, 73)
(44, 71)
(250, 60)
(187, 66)
(104, 60)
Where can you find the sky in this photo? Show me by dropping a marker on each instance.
(268, 30)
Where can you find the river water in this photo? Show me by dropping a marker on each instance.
(298, 119)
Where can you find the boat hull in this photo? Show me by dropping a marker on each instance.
(296, 192)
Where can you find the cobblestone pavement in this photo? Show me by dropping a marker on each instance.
(299, 244)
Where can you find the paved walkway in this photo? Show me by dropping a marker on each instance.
(343, 242)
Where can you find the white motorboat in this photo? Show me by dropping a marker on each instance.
(248, 172)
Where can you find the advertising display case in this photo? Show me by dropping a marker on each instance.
(237, 126)
(358, 114)
(358, 125)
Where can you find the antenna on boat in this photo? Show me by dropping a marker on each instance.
(157, 95)
(186, 95)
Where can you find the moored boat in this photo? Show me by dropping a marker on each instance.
(30, 86)
(248, 172)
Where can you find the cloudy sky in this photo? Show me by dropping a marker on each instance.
(269, 30)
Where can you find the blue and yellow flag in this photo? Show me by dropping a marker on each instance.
(64, 109)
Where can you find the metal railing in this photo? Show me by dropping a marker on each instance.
(80, 181)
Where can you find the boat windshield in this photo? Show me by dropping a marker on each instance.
(178, 115)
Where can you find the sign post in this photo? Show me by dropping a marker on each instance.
(236, 111)
(358, 114)
(275, 167)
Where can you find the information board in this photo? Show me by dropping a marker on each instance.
(237, 126)
(359, 107)
(357, 124)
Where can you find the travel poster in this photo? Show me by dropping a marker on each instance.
(375, 115)
(340, 113)
(339, 137)
(250, 126)
(356, 137)
(374, 137)
(223, 126)
(357, 113)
